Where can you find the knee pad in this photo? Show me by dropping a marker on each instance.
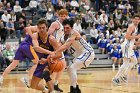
(46, 76)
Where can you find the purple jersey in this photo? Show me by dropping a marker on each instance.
(40, 67)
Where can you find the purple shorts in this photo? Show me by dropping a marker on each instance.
(25, 51)
(39, 70)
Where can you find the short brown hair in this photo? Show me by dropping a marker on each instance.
(63, 12)
(136, 15)
(42, 21)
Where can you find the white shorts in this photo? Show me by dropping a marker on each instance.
(127, 50)
(84, 59)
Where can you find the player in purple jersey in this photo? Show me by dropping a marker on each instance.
(27, 50)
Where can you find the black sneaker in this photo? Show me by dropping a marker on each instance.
(57, 88)
(73, 90)
(78, 89)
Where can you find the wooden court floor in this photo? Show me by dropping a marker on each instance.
(96, 80)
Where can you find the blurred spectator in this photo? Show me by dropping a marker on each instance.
(96, 20)
(104, 17)
(2, 61)
(115, 57)
(2, 32)
(17, 8)
(93, 34)
(8, 53)
(9, 8)
(13, 16)
(72, 13)
(33, 6)
(1, 9)
(120, 5)
(10, 28)
(77, 25)
(102, 43)
(86, 6)
(42, 8)
(68, 6)
(101, 27)
(49, 16)
(19, 26)
(5, 17)
(30, 22)
(74, 3)
(82, 9)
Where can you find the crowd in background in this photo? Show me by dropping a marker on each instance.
(104, 22)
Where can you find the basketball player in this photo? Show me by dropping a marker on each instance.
(47, 42)
(25, 50)
(56, 29)
(129, 58)
(83, 53)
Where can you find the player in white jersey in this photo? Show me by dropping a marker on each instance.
(83, 53)
(56, 29)
(129, 58)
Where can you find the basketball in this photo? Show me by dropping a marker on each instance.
(56, 66)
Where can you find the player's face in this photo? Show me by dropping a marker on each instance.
(67, 29)
(136, 20)
(62, 17)
(42, 28)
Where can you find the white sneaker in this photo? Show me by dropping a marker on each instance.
(25, 81)
(1, 80)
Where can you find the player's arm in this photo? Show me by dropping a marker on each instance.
(36, 45)
(30, 30)
(56, 46)
(53, 27)
(129, 32)
(67, 44)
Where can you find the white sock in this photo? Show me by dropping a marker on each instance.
(45, 89)
(55, 82)
(52, 92)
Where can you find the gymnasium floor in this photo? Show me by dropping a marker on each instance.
(95, 80)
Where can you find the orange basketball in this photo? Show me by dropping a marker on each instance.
(56, 66)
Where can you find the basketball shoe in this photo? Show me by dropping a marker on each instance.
(25, 81)
(116, 82)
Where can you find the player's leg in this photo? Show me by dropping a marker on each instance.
(125, 64)
(132, 63)
(81, 61)
(58, 76)
(8, 70)
(31, 54)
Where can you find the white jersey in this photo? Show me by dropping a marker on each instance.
(78, 47)
(127, 46)
(59, 32)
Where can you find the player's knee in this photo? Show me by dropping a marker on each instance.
(46, 76)
(33, 86)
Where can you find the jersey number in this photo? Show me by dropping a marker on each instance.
(72, 50)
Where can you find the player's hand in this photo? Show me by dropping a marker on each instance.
(42, 61)
(138, 36)
(50, 57)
